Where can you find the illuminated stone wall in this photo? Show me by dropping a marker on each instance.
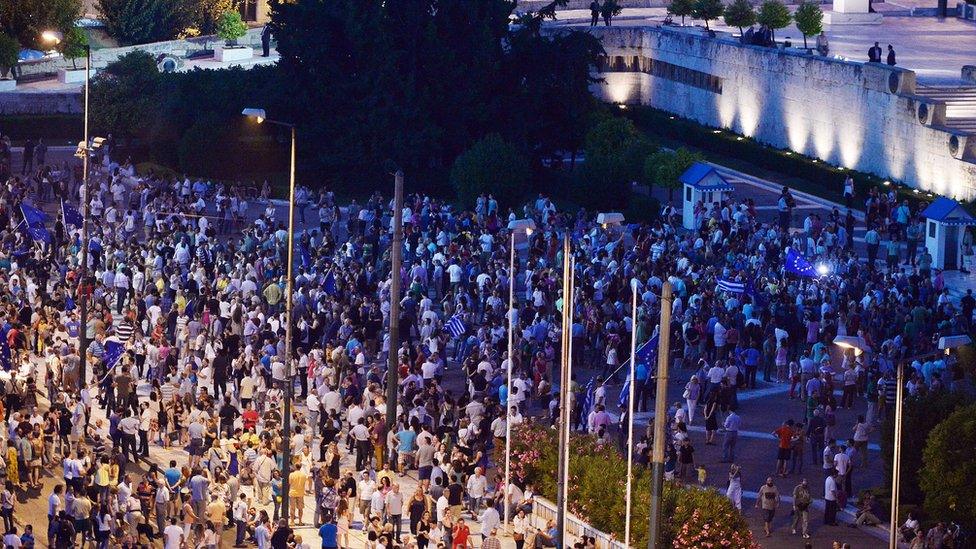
(860, 116)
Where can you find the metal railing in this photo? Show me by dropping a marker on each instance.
(544, 510)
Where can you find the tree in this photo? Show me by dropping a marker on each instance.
(144, 21)
(809, 19)
(208, 14)
(490, 166)
(124, 96)
(774, 14)
(74, 45)
(949, 469)
(920, 416)
(740, 14)
(230, 27)
(9, 52)
(681, 8)
(25, 20)
(707, 10)
(664, 168)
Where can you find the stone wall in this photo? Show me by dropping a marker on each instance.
(856, 115)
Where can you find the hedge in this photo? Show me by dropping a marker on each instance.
(807, 174)
(55, 129)
(695, 517)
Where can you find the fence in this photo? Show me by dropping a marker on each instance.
(544, 510)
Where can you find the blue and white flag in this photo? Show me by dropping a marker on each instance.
(646, 355)
(456, 326)
(305, 254)
(587, 403)
(799, 265)
(731, 286)
(69, 304)
(113, 352)
(70, 215)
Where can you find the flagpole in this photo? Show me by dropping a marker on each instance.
(508, 376)
(630, 407)
(562, 489)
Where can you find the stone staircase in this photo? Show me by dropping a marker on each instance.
(960, 105)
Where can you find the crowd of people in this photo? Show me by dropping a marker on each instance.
(170, 426)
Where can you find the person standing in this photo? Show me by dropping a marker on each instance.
(830, 499)
(801, 506)
(28, 157)
(768, 500)
(732, 425)
(266, 41)
(594, 13)
(734, 491)
(296, 495)
(891, 56)
(849, 191)
(874, 53)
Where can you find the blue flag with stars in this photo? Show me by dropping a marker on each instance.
(329, 285)
(799, 265)
(646, 355)
(70, 215)
(113, 352)
(33, 224)
(4, 351)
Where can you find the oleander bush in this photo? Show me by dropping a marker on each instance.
(695, 517)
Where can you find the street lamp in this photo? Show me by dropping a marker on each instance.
(260, 117)
(54, 38)
(515, 226)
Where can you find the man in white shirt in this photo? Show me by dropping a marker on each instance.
(173, 535)
(365, 488)
(477, 486)
(239, 512)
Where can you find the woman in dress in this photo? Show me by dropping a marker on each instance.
(734, 491)
(711, 418)
(13, 473)
(332, 460)
(342, 523)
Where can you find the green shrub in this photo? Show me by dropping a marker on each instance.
(708, 10)
(597, 474)
(54, 128)
(492, 166)
(949, 469)
(211, 148)
(230, 27)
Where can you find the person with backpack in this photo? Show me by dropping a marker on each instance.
(801, 506)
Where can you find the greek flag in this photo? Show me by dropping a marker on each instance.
(587, 403)
(456, 326)
(731, 286)
(4, 352)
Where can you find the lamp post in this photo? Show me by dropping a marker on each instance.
(859, 345)
(396, 262)
(515, 226)
(260, 117)
(630, 408)
(54, 38)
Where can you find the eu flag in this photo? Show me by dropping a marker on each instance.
(329, 285)
(34, 223)
(799, 265)
(646, 355)
(70, 215)
(305, 253)
(113, 352)
(4, 352)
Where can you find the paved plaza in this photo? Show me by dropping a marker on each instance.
(936, 49)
